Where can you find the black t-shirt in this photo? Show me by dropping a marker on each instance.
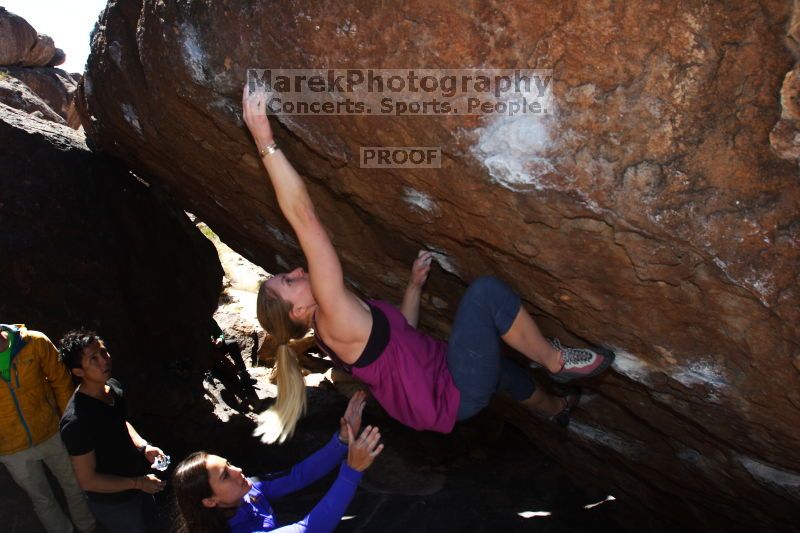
(90, 424)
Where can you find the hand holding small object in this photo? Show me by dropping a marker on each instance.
(161, 463)
(152, 452)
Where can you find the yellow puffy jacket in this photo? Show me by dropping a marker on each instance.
(32, 401)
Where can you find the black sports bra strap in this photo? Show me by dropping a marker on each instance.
(378, 338)
(376, 343)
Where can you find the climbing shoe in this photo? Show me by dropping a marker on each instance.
(562, 417)
(579, 362)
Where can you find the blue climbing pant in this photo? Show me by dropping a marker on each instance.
(485, 313)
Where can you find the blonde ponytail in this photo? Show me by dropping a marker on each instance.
(278, 423)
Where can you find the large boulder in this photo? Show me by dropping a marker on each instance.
(653, 211)
(16, 38)
(21, 45)
(28, 80)
(87, 244)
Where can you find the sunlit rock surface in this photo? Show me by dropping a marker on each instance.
(28, 80)
(655, 211)
(21, 45)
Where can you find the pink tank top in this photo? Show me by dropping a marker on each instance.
(409, 376)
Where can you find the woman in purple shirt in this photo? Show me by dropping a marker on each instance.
(214, 496)
(421, 381)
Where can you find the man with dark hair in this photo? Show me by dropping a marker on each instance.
(109, 456)
(34, 392)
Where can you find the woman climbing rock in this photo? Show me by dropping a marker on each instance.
(423, 382)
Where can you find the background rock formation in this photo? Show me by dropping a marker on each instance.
(21, 45)
(656, 211)
(28, 80)
(85, 243)
(48, 93)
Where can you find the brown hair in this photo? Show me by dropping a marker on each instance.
(190, 485)
(279, 422)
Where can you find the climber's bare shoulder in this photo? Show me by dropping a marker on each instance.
(346, 328)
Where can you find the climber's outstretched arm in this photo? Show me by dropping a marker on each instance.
(419, 275)
(339, 309)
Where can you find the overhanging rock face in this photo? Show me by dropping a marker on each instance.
(655, 211)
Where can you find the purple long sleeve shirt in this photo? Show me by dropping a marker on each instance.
(255, 514)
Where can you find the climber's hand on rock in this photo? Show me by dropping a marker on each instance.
(254, 112)
(421, 268)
